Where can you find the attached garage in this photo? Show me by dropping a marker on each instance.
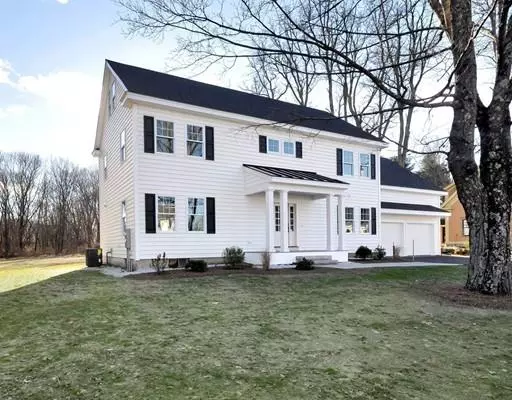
(415, 232)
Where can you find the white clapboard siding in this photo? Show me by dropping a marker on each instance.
(118, 184)
(240, 219)
(399, 195)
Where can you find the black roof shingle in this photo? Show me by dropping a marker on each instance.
(292, 174)
(169, 87)
(410, 207)
(392, 174)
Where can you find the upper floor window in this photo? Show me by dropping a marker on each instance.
(348, 162)
(349, 219)
(195, 140)
(364, 165)
(195, 215)
(273, 146)
(365, 220)
(164, 136)
(289, 148)
(123, 145)
(112, 99)
(123, 216)
(166, 213)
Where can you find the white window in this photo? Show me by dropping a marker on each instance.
(123, 145)
(273, 146)
(289, 148)
(349, 219)
(195, 215)
(164, 136)
(123, 216)
(365, 221)
(364, 165)
(277, 216)
(465, 227)
(166, 214)
(112, 99)
(195, 140)
(348, 163)
(105, 165)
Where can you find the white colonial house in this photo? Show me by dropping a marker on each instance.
(188, 168)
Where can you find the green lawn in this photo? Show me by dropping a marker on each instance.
(18, 272)
(365, 335)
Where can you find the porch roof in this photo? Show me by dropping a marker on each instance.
(275, 172)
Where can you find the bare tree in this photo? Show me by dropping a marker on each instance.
(5, 203)
(485, 191)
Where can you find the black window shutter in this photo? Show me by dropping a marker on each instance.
(374, 221)
(372, 166)
(150, 213)
(298, 149)
(149, 134)
(210, 215)
(210, 147)
(263, 144)
(339, 161)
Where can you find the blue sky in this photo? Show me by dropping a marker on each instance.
(51, 65)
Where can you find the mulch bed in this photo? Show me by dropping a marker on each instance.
(215, 271)
(457, 295)
(372, 261)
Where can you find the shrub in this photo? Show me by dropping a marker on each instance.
(233, 257)
(197, 266)
(463, 251)
(363, 252)
(448, 250)
(265, 260)
(304, 264)
(379, 253)
(159, 263)
(173, 264)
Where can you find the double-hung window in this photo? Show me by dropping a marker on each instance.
(365, 221)
(465, 227)
(195, 140)
(164, 136)
(348, 162)
(166, 213)
(196, 215)
(364, 165)
(123, 215)
(112, 99)
(123, 145)
(289, 148)
(273, 146)
(349, 219)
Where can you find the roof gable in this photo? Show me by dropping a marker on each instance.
(392, 174)
(168, 87)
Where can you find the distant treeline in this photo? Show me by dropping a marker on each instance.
(46, 206)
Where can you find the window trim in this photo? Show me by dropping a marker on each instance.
(204, 214)
(123, 146)
(157, 214)
(368, 165)
(278, 152)
(203, 142)
(361, 220)
(123, 216)
(293, 143)
(156, 135)
(347, 163)
(347, 219)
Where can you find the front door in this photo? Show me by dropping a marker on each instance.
(292, 225)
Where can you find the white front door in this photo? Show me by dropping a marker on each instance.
(292, 225)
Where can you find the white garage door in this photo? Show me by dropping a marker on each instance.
(423, 237)
(391, 235)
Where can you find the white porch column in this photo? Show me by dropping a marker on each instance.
(330, 209)
(269, 207)
(341, 221)
(283, 201)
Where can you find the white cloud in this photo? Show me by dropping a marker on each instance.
(13, 110)
(5, 71)
(63, 1)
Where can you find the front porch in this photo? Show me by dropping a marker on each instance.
(282, 217)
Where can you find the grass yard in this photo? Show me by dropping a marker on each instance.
(338, 335)
(18, 272)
